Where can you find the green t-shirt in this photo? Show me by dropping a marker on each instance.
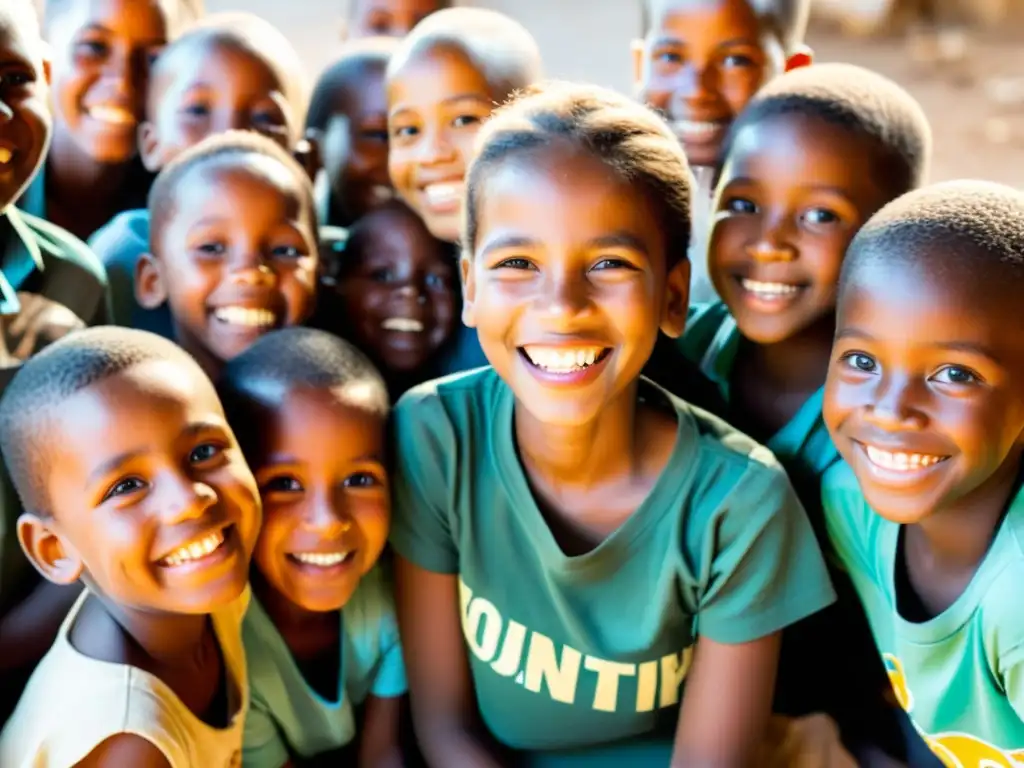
(573, 652)
(286, 716)
(960, 675)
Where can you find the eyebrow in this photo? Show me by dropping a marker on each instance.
(284, 458)
(953, 346)
(467, 97)
(666, 40)
(612, 240)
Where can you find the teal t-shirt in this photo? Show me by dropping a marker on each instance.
(286, 716)
(960, 675)
(574, 652)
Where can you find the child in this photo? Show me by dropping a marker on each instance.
(235, 72)
(348, 113)
(235, 251)
(580, 524)
(443, 82)
(101, 54)
(50, 283)
(387, 18)
(320, 635)
(925, 401)
(815, 154)
(699, 64)
(133, 484)
(395, 294)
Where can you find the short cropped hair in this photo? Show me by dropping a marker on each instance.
(299, 358)
(48, 379)
(25, 16)
(627, 137)
(499, 47)
(859, 100)
(785, 20)
(179, 13)
(232, 148)
(349, 7)
(342, 76)
(976, 226)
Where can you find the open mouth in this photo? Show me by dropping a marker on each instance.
(699, 131)
(443, 197)
(564, 360)
(901, 461)
(322, 560)
(402, 325)
(246, 317)
(196, 550)
(7, 153)
(112, 115)
(770, 293)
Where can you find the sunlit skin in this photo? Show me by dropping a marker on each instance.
(240, 239)
(398, 289)
(437, 102)
(389, 18)
(25, 131)
(211, 88)
(792, 195)
(355, 146)
(700, 64)
(925, 400)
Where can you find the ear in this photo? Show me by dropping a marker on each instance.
(150, 288)
(47, 57)
(53, 557)
(677, 299)
(636, 51)
(468, 290)
(803, 56)
(149, 146)
(307, 153)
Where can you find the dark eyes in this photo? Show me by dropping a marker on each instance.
(212, 249)
(860, 362)
(92, 48)
(738, 60)
(821, 216)
(203, 453)
(465, 120)
(740, 205)
(283, 483)
(124, 487)
(383, 275)
(405, 131)
(361, 480)
(437, 282)
(380, 136)
(17, 79)
(291, 484)
(950, 374)
(286, 252)
(515, 262)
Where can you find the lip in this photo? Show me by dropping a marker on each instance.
(246, 316)
(913, 473)
(570, 378)
(700, 131)
(768, 301)
(320, 571)
(403, 324)
(443, 196)
(218, 559)
(115, 117)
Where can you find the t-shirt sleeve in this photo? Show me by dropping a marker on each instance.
(844, 509)
(766, 571)
(390, 678)
(263, 745)
(425, 447)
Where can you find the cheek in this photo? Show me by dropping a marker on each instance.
(190, 282)
(727, 240)
(738, 88)
(465, 144)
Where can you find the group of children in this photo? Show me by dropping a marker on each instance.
(708, 440)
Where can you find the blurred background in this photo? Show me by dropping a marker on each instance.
(963, 59)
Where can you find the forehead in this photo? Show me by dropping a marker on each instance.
(717, 21)
(359, 87)
(791, 150)
(434, 75)
(348, 416)
(142, 19)
(231, 184)
(418, 7)
(217, 61)
(20, 40)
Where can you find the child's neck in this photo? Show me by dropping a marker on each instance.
(285, 614)
(81, 194)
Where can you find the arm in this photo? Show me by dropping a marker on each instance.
(125, 749)
(727, 702)
(379, 747)
(28, 630)
(444, 705)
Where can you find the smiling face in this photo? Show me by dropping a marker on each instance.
(925, 393)
(101, 55)
(793, 193)
(567, 282)
(437, 102)
(235, 258)
(153, 494)
(25, 131)
(389, 18)
(210, 88)
(703, 61)
(400, 289)
(321, 474)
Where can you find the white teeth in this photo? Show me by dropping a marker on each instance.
(195, 550)
(5, 155)
(561, 359)
(445, 194)
(769, 290)
(113, 115)
(695, 129)
(382, 193)
(403, 324)
(322, 559)
(901, 462)
(246, 316)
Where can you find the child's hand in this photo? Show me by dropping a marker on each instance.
(39, 323)
(805, 742)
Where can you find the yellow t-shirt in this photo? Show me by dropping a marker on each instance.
(74, 703)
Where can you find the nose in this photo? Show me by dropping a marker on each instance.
(414, 290)
(436, 148)
(772, 243)
(893, 408)
(250, 269)
(565, 296)
(181, 498)
(326, 517)
(125, 71)
(696, 85)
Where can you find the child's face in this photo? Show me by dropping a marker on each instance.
(325, 493)
(437, 103)
(153, 497)
(355, 145)
(400, 291)
(101, 55)
(237, 257)
(567, 284)
(793, 193)
(701, 63)
(25, 129)
(925, 393)
(389, 18)
(216, 89)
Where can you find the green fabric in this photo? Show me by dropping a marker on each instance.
(572, 652)
(960, 675)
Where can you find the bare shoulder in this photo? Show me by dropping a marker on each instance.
(125, 749)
